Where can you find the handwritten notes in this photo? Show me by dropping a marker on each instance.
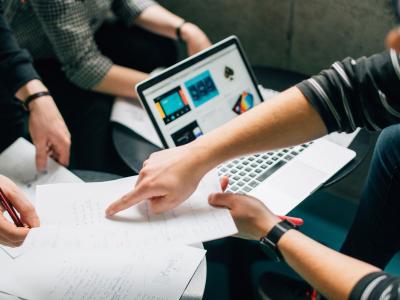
(84, 205)
(136, 274)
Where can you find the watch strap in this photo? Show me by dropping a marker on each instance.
(33, 97)
(271, 240)
(179, 33)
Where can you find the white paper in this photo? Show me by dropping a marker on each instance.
(342, 139)
(84, 204)
(17, 162)
(267, 93)
(136, 274)
(133, 116)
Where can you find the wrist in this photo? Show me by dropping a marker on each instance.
(187, 30)
(265, 225)
(38, 103)
(30, 88)
(206, 156)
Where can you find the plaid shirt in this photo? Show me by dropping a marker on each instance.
(65, 29)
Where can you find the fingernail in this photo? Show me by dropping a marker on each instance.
(110, 212)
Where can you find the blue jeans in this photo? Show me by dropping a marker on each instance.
(374, 236)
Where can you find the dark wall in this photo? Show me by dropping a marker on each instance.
(302, 35)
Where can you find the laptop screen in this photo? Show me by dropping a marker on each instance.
(202, 96)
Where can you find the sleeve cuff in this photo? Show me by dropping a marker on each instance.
(90, 73)
(129, 10)
(314, 99)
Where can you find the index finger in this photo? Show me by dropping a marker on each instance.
(138, 194)
(23, 206)
(41, 155)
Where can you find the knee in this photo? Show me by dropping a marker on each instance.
(388, 145)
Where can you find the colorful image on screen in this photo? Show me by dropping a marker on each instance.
(202, 88)
(244, 103)
(187, 134)
(172, 105)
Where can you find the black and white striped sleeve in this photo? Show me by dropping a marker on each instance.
(377, 285)
(357, 93)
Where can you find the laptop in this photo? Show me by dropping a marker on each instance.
(211, 88)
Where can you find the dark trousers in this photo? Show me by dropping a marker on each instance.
(87, 113)
(374, 236)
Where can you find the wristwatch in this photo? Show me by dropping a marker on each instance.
(269, 243)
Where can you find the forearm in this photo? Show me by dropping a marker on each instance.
(159, 20)
(286, 120)
(120, 81)
(330, 272)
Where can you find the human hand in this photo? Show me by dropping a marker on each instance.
(252, 218)
(49, 133)
(195, 39)
(167, 178)
(393, 39)
(11, 235)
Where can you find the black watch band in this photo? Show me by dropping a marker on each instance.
(269, 243)
(33, 97)
(179, 33)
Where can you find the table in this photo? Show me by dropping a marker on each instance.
(196, 286)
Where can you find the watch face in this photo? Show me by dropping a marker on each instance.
(271, 253)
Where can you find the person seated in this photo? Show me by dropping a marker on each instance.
(87, 58)
(352, 93)
(19, 80)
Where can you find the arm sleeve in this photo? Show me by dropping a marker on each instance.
(357, 93)
(128, 10)
(377, 285)
(68, 29)
(15, 64)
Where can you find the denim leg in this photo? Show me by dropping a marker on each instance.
(374, 236)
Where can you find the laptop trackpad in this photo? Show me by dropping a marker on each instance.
(297, 179)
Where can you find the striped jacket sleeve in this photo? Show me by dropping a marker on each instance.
(378, 285)
(357, 93)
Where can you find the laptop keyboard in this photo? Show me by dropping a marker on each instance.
(247, 172)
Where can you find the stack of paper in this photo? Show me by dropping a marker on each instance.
(78, 253)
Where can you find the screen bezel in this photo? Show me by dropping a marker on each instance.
(171, 71)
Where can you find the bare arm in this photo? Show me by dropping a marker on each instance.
(120, 81)
(161, 21)
(286, 120)
(330, 272)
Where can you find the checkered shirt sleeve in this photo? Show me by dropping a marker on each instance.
(128, 10)
(67, 26)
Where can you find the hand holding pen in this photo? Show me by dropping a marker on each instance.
(21, 211)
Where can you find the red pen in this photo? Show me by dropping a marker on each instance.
(295, 221)
(10, 209)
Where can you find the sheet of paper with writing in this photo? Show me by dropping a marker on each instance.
(17, 162)
(84, 204)
(136, 274)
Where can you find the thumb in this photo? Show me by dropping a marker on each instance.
(221, 200)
